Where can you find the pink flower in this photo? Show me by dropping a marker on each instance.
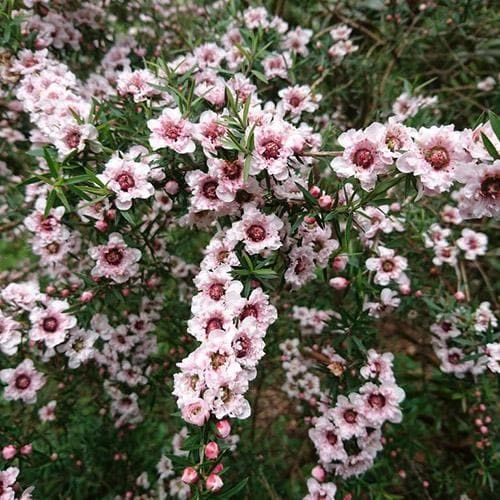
(128, 179)
(301, 267)
(365, 155)
(137, 84)
(256, 17)
(204, 189)
(445, 255)
(298, 99)
(74, 137)
(378, 366)
(472, 243)
(23, 382)
(10, 336)
(172, 131)
(480, 196)
(316, 490)
(51, 324)
(437, 153)
(327, 441)
(47, 412)
(208, 55)
(115, 260)
(7, 481)
(296, 41)
(388, 266)
(210, 132)
(256, 230)
(273, 147)
(381, 403)
(348, 417)
(214, 483)
(276, 65)
(229, 174)
(22, 295)
(196, 412)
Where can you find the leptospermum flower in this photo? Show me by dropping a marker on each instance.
(10, 335)
(437, 153)
(317, 490)
(115, 260)
(388, 266)
(472, 243)
(172, 131)
(256, 230)
(381, 403)
(365, 155)
(128, 179)
(480, 195)
(51, 323)
(196, 412)
(23, 382)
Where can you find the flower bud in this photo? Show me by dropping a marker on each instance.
(325, 202)
(9, 452)
(26, 449)
(315, 191)
(318, 473)
(189, 475)
(223, 428)
(102, 226)
(172, 187)
(218, 468)
(459, 296)
(339, 283)
(212, 450)
(86, 296)
(214, 483)
(339, 263)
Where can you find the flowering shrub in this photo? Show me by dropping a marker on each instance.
(228, 271)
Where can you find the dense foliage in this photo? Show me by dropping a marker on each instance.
(249, 250)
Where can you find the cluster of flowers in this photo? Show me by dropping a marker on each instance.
(437, 156)
(472, 243)
(312, 320)
(347, 435)
(458, 341)
(230, 327)
(9, 489)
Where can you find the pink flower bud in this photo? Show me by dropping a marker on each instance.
(86, 296)
(214, 483)
(309, 220)
(418, 294)
(325, 202)
(459, 296)
(218, 468)
(425, 484)
(405, 290)
(318, 473)
(339, 263)
(102, 226)
(26, 449)
(483, 429)
(212, 450)
(315, 191)
(189, 476)
(223, 428)
(339, 283)
(172, 187)
(9, 452)
(395, 207)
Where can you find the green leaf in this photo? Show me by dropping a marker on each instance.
(495, 123)
(260, 76)
(234, 490)
(490, 147)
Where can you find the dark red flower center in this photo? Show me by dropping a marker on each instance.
(50, 324)
(249, 310)
(332, 438)
(271, 150)
(114, 256)
(53, 248)
(216, 291)
(232, 170)
(350, 416)
(376, 400)
(22, 382)
(363, 158)
(126, 181)
(73, 138)
(242, 345)
(388, 266)
(171, 131)
(438, 157)
(209, 190)
(213, 324)
(490, 187)
(256, 233)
